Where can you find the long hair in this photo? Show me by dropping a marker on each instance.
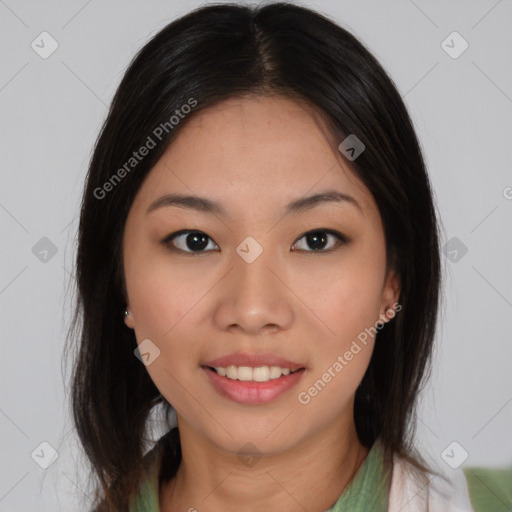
(211, 54)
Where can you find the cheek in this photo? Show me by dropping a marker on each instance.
(348, 312)
(160, 299)
(329, 392)
(160, 294)
(346, 299)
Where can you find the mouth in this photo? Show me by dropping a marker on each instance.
(253, 374)
(252, 385)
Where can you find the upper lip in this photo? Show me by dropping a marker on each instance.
(252, 360)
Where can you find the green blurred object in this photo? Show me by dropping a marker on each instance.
(490, 489)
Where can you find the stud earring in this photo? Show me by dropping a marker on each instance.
(126, 313)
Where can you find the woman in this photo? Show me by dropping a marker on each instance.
(258, 252)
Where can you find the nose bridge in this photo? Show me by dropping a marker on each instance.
(253, 259)
(255, 297)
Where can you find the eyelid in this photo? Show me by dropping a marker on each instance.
(169, 238)
(341, 238)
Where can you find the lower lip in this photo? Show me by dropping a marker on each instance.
(250, 392)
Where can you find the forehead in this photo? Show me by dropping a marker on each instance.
(257, 149)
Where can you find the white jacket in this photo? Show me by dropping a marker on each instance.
(409, 494)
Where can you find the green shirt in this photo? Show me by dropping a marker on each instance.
(490, 489)
(368, 490)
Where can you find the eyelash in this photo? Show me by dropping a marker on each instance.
(342, 239)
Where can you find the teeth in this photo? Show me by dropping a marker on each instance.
(244, 373)
(261, 374)
(232, 372)
(258, 374)
(275, 372)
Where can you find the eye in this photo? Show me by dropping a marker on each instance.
(318, 239)
(193, 240)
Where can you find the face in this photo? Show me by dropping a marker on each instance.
(304, 286)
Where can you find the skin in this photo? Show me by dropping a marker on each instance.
(254, 155)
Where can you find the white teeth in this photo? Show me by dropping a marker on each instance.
(247, 373)
(275, 372)
(261, 374)
(244, 373)
(232, 372)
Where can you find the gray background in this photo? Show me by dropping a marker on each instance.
(51, 112)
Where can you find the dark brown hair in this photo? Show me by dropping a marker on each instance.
(211, 54)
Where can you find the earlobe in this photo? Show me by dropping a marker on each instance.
(392, 288)
(390, 295)
(128, 320)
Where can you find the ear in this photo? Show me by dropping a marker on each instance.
(390, 295)
(128, 320)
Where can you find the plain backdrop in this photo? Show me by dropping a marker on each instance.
(51, 111)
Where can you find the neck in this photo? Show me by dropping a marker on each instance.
(310, 476)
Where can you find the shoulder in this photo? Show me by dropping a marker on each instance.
(490, 488)
(411, 491)
(143, 498)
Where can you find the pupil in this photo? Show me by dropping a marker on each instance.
(316, 240)
(198, 241)
(315, 237)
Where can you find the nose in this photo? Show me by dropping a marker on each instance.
(256, 295)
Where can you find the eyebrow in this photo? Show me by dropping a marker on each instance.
(202, 204)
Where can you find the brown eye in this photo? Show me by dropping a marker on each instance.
(319, 239)
(188, 241)
(196, 242)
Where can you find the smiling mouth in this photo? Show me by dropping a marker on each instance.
(252, 385)
(253, 374)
